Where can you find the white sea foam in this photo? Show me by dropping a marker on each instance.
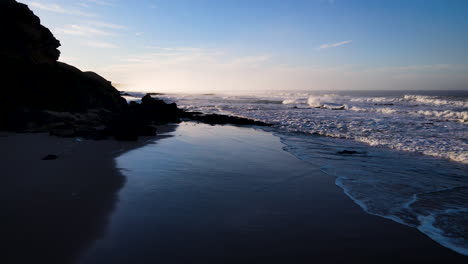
(320, 100)
(432, 100)
(383, 110)
(290, 101)
(461, 116)
(431, 125)
(430, 225)
(413, 99)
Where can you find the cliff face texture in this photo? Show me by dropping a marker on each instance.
(32, 79)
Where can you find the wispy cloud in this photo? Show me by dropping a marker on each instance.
(334, 45)
(81, 30)
(100, 44)
(50, 7)
(90, 28)
(101, 2)
(105, 25)
(174, 49)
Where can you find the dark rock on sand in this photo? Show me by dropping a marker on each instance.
(348, 152)
(141, 119)
(215, 119)
(158, 111)
(50, 157)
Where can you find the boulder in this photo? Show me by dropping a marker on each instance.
(50, 157)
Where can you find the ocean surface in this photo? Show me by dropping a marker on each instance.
(430, 122)
(398, 155)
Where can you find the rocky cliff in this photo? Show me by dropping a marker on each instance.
(40, 94)
(33, 81)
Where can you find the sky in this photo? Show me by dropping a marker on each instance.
(264, 45)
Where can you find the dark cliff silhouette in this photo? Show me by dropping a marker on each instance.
(35, 86)
(41, 94)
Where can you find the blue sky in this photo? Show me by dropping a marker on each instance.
(237, 45)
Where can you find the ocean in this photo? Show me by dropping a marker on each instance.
(401, 155)
(428, 122)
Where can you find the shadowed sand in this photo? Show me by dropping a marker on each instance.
(213, 194)
(51, 210)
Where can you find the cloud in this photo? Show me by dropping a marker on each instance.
(153, 6)
(100, 44)
(334, 45)
(89, 28)
(81, 30)
(175, 49)
(59, 9)
(105, 25)
(101, 2)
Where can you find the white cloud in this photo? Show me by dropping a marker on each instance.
(100, 44)
(175, 49)
(81, 30)
(153, 6)
(334, 45)
(105, 25)
(58, 9)
(101, 2)
(89, 28)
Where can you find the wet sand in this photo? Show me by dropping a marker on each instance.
(52, 210)
(213, 194)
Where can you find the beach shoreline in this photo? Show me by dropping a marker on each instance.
(259, 203)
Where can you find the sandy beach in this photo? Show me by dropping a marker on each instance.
(54, 209)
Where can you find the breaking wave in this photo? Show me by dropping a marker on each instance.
(430, 125)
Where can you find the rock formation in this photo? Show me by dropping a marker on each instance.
(40, 94)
